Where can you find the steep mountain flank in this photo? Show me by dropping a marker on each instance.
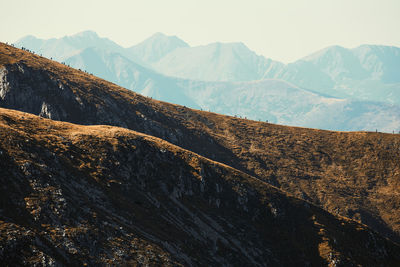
(356, 175)
(93, 195)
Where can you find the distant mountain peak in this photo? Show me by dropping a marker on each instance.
(333, 49)
(377, 46)
(87, 33)
(156, 46)
(161, 37)
(229, 44)
(27, 37)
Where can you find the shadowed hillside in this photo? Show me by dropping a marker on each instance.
(356, 175)
(76, 194)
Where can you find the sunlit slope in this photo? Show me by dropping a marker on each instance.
(350, 174)
(77, 195)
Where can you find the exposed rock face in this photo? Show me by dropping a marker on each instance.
(101, 195)
(350, 174)
(36, 92)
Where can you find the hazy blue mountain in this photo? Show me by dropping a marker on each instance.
(273, 100)
(62, 48)
(65, 47)
(303, 74)
(216, 62)
(157, 46)
(368, 72)
(366, 62)
(33, 43)
(381, 62)
(284, 103)
(122, 71)
(335, 88)
(337, 62)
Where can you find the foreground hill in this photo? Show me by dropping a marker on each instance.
(356, 175)
(74, 195)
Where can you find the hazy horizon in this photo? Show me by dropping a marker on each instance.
(284, 30)
(127, 46)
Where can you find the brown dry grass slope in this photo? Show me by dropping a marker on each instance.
(355, 174)
(100, 195)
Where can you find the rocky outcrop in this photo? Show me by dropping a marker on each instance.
(36, 92)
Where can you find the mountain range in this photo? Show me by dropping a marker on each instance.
(335, 88)
(94, 174)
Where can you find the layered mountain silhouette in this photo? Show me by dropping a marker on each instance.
(216, 62)
(178, 185)
(63, 48)
(156, 47)
(368, 72)
(359, 86)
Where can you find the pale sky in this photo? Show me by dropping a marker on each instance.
(283, 30)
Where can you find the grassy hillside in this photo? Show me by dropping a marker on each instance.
(354, 174)
(76, 194)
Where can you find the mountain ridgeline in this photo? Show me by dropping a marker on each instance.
(359, 86)
(181, 186)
